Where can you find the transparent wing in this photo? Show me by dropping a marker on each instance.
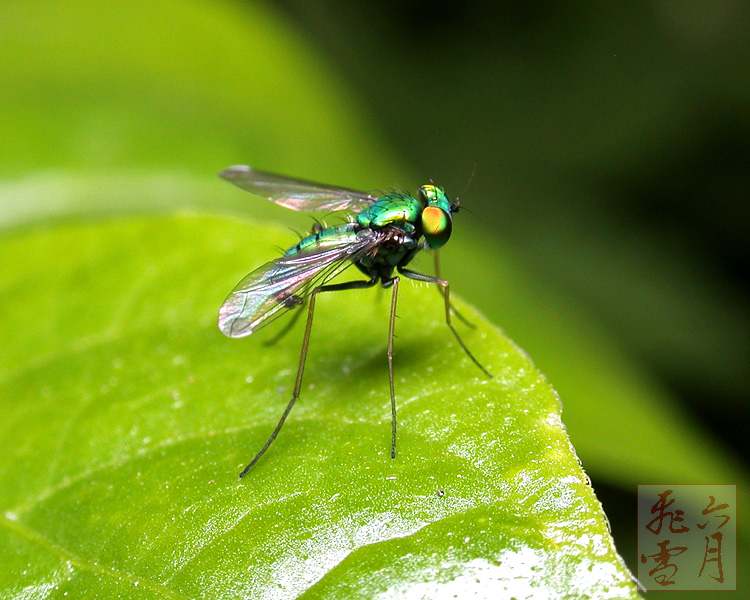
(297, 194)
(284, 283)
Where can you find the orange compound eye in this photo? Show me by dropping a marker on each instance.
(436, 226)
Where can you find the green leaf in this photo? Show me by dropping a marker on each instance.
(126, 417)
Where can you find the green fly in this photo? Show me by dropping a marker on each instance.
(384, 235)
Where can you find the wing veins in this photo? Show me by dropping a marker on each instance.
(297, 194)
(265, 292)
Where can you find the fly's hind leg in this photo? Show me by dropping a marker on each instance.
(350, 285)
(393, 282)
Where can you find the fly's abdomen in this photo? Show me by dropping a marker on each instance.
(324, 237)
(394, 209)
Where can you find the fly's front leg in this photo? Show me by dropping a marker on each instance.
(350, 285)
(447, 295)
(442, 293)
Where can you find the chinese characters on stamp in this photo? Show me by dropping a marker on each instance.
(687, 537)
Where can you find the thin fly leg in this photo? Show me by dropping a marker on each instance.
(349, 285)
(446, 293)
(442, 292)
(394, 296)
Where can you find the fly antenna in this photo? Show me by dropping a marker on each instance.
(468, 183)
(456, 203)
(471, 177)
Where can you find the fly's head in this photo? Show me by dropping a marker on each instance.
(437, 222)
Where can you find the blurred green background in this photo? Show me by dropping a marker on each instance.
(601, 151)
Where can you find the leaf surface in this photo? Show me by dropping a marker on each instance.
(128, 417)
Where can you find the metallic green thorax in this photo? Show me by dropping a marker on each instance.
(393, 209)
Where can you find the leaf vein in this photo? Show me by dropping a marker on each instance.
(66, 556)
